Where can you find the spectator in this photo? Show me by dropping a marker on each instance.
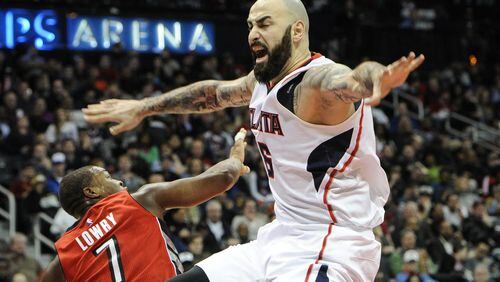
(21, 139)
(481, 273)
(195, 253)
(20, 262)
(215, 232)
(413, 268)
(57, 173)
(251, 219)
(408, 242)
(62, 128)
(476, 228)
(441, 248)
(124, 173)
(452, 212)
(62, 221)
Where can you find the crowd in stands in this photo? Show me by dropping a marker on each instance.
(442, 218)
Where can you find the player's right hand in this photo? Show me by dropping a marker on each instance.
(238, 149)
(126, 113)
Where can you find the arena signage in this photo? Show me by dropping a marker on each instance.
(96, 33)
(40, 28)
(44, 29)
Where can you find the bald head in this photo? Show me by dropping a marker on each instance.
(297, 11)
(278, 36)
(289, 10)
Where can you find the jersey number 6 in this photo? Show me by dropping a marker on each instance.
(268, 160)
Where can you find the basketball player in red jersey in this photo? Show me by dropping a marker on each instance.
(313, 124)
(118, 236)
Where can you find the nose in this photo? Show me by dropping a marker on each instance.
(253, 36)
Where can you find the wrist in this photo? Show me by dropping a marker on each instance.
(236, 160)
(145, 107)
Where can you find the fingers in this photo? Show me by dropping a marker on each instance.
(245, 169)
(119, 128)
(101, 118)
(417, 62)
(94, 110)
(240, 135)
(110, 101)
(409, 63)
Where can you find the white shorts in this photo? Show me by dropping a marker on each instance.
(312, 253)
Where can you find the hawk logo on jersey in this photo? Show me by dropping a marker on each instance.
(267, 122)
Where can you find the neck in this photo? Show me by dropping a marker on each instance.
(295, 61)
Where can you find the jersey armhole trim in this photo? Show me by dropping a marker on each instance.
(60, 263)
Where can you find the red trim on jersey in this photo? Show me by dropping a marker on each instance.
(314, 56)
(327, 188)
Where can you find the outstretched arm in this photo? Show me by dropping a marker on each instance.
(192, 191)
(200, 97)
(370, 80)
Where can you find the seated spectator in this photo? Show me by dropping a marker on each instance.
(57, 173)
(441, 248)
(413, 269)
(62, 128)
(195, 252)
(179, 227)
(213, 229)
(20, 140)
(251, 218)
(20, 262)
(453, 211)
(20, 277)
(131, 180)
(62, 221)
(408, 242)
(476, 228)
(481, 273)
(73, 157)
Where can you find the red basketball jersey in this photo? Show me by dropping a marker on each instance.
(118, 240)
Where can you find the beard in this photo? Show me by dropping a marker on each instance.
(276, 60)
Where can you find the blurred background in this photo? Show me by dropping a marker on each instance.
(438, 135)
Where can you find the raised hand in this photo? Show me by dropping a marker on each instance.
(392, 76)
(238, 149)
(126, 113)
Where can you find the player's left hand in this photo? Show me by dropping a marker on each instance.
(392, 76)
(238, 149)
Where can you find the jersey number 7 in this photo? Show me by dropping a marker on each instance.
(114, 259)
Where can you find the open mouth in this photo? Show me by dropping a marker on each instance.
(260, 54)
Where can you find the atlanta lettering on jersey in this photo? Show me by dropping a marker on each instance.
(267, 122)
(90, 236)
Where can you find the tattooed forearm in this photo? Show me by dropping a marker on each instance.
(200, 97)
(364, 75)
(339, 82)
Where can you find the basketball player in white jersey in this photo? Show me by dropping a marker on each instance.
(312, 121)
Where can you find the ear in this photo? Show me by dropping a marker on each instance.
(298, 31)
(91, 192)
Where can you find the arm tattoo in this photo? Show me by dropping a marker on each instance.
(200, 97)
(340, 82)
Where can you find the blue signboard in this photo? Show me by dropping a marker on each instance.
(43, 29)
(142, 35)
(40, 28)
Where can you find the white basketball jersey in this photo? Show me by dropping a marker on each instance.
(318, 174)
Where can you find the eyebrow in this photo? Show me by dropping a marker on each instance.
(259, 20)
